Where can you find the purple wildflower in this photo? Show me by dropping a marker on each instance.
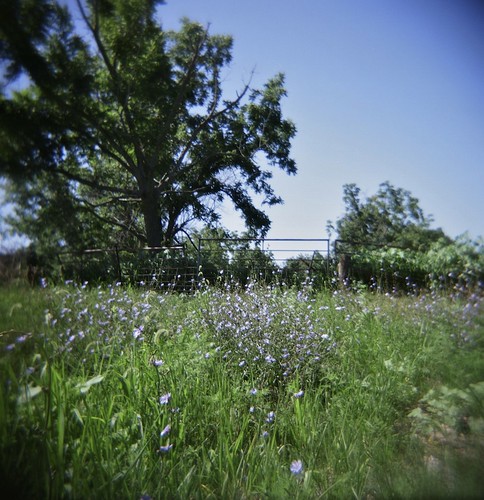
(165, 399)
(138, 332)
(165, 431)
(296, 467)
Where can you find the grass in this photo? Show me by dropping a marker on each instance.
(114, 392)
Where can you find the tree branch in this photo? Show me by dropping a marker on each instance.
(121, 94)
(90, 208)
(210, 117)
(184, 85)
(95, 184)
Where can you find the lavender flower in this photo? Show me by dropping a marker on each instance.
(165, 449)
(138, 332)
(165, 399)
(296, 467)
(299, 394)
(165, 431)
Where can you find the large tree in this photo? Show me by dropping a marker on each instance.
(391, 217)
(123, 128)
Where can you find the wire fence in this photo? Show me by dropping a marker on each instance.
(275, 261)
(268, 260)
(184, 267)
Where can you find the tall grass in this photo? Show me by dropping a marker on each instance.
(114, 392)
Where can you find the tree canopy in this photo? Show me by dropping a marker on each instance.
(390, 217)
(123, 132)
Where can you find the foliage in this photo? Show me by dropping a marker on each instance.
(389, 245)
(118, 393)
(123, 133)
(461, 262)
(390, 217)
(457, 265)
(251, 262)
(314, 267)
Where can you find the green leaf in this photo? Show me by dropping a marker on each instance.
(84, 388)
(29, 392)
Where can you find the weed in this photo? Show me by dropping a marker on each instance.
(239, 392)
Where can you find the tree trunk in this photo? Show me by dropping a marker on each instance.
(151, 214)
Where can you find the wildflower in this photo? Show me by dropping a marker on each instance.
(165, 449)
(296, 467)
(270, 417)
(299, 394)
(165, 431)
(138, 332)
(157, 362)
(253, 391)
(270, 359)
(164, 400)
(252, 409)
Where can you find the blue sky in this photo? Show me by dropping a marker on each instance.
(378, 89)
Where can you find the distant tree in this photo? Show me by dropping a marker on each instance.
(212, 250)
(122, 132)
(390, 217)
(251, 261)
(298, 269)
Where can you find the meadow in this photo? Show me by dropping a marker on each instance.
(231, 392)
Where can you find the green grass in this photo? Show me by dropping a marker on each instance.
(377, 396)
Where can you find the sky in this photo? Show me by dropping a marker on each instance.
(379, 90)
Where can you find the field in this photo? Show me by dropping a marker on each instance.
(119, 392)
